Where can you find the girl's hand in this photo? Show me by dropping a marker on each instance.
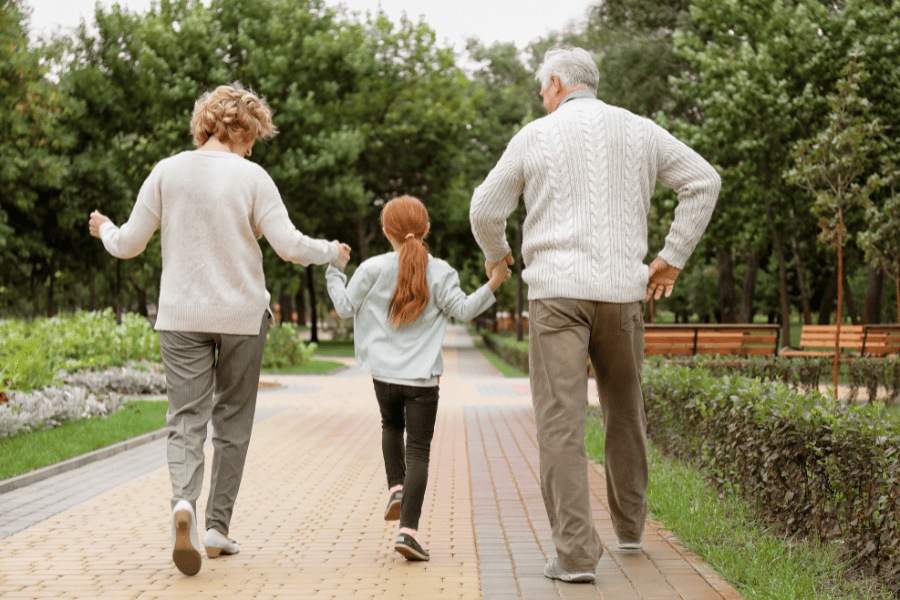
(96, 221)
(343, 256)
(499, 273)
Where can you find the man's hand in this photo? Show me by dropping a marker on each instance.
(489, 266)
(343, 256)
(96, 221)
(662, 277)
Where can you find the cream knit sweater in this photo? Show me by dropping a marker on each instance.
(212, 208)
(587, 172)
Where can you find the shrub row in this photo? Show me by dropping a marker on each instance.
(807, 372)
(814, 466)
(284, 348)
(52, 407)
(514, 353)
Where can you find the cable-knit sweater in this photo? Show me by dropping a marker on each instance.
(212, 208)
(587, 171)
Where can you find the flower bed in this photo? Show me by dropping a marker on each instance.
(51, 407)
(812, 465)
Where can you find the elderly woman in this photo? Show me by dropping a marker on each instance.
(212, 206)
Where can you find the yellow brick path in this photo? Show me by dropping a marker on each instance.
(309, 515)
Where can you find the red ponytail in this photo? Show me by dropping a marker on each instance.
(405, 220)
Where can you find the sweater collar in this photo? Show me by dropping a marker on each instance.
(576, 96)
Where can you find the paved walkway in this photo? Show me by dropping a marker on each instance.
(309, 516)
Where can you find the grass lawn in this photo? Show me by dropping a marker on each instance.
(334, 348)
(723, 531)
(24, 453)
(312, 367)
(499, 363)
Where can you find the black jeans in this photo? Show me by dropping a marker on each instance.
(415, 410)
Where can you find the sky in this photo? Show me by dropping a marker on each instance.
(518, 21)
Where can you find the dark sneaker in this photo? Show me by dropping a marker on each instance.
(410, 548)
(392, 512)
(554, 571)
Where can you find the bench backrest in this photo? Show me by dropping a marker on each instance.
(710, 341)
(881, 341)
(822, 336)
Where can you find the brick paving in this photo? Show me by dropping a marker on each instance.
(309, 515)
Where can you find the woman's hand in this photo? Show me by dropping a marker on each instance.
(96, 221)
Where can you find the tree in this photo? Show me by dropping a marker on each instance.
(881, 241)
(829, 165)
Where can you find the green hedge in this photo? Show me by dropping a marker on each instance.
(807, 372)
(513, 352)
(812, 465)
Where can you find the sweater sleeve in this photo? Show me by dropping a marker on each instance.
(131, 239)
(697, 184)
(348, 298)
(495, 199)
(454, 302)
(271, 220)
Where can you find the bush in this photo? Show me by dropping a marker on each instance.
(514, 353)
(284, 348)
(32, 351)
(52, 407)
(811, 464)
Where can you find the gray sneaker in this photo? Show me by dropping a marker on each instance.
(410, 548)
(392, 512)
(554, 571)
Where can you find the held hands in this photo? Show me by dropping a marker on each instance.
(662, 277)
(343, 256)
(96, 221)
(506, 261)
(499, 272)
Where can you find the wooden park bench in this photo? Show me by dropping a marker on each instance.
(855, 340)
(703, 338)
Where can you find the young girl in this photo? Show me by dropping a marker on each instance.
(400, 303)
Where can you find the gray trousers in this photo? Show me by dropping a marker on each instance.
(562, 334)
(210, 376)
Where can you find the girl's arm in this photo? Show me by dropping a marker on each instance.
(454, 302)
(348, 298)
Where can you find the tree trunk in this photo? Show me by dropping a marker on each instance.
(364, 238)
(801, 278)
(748, 291)
(828, 297)
(840, 299)
(284, 307)
(300, 299)
(95, 306)
(727, 301)
(119, 300)
(50, 293)
(851, 305)
(520, 287)
(313, 318)
(782, 272)
(141, 292)
(874, 291)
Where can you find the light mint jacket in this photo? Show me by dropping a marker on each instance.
(412, 351)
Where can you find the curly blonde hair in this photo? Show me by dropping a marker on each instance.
(231, 113)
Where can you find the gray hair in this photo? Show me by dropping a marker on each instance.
(574, 67)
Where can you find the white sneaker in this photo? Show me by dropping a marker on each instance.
(185, 543)
(629, 545)
(216, 544)
(553, 570)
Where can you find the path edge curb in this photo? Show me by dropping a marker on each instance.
(20, 481)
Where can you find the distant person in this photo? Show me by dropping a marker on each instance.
(212, 207)
(400, 303)
(587, 171)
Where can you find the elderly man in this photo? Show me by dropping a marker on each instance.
(587, 171)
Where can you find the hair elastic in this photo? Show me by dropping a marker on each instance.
(409, 235)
